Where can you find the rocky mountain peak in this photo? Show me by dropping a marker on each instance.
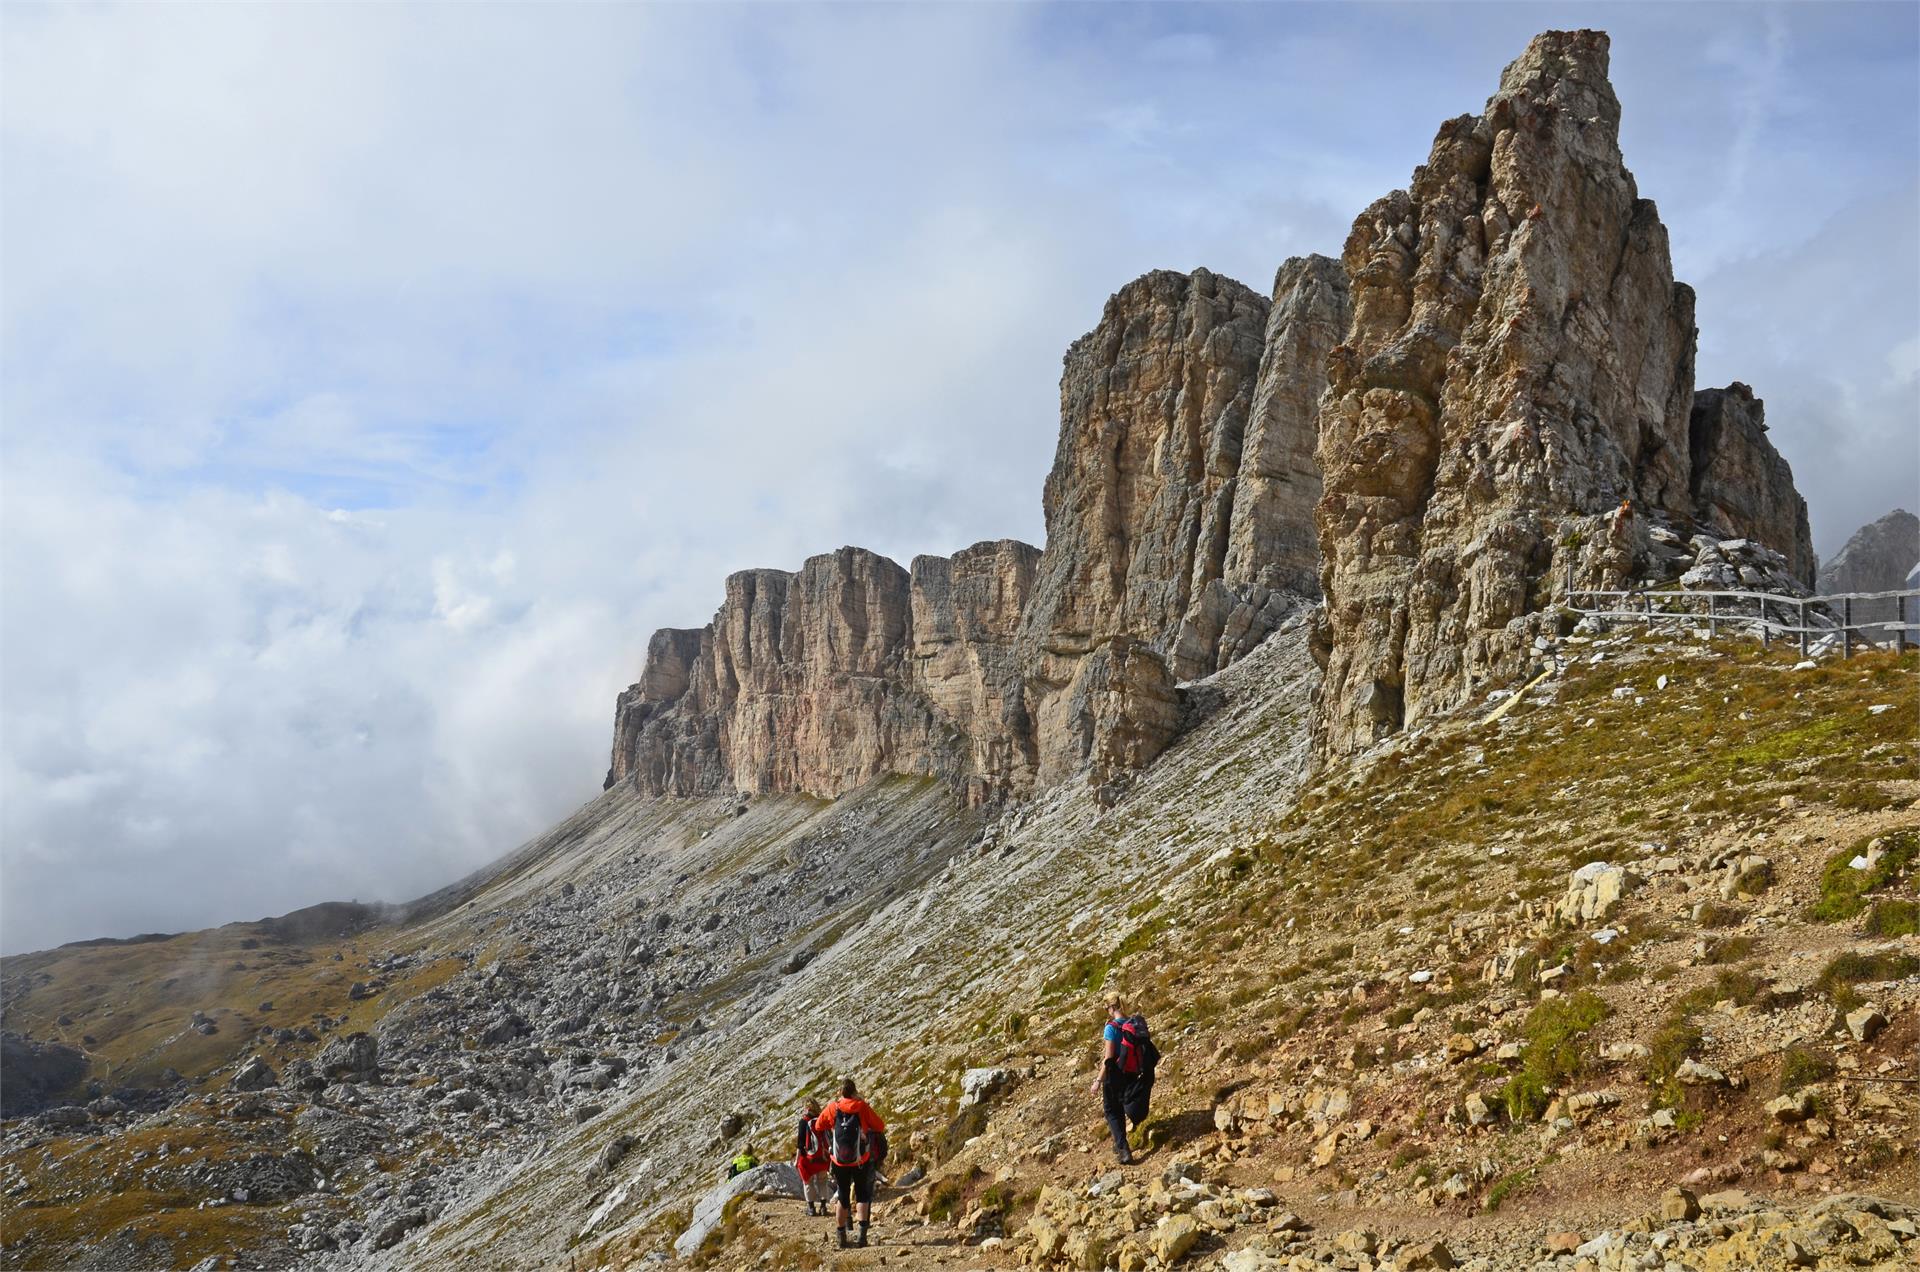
(1489, 394)
(1880, 557)
(1513, 403)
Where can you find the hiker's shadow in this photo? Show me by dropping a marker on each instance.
(1179, 1128)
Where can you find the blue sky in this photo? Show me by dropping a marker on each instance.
(373, 379)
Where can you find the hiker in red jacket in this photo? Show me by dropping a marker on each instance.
(856, 1142)
(810, 1159)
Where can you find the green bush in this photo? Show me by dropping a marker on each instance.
(1843, 889)
(1551, 1051)
(1800, 1067)
(1853, 967)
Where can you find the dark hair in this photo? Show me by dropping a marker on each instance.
(847, 1089)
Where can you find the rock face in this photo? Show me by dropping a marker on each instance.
(34, 1072)
(1272, 557)
(1489, 396)
(1742, 487)
(1520, 359)
(1178, 536)
(964, 657)
(1153, 413)
(1878, 558)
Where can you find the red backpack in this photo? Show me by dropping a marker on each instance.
(1135, 1050)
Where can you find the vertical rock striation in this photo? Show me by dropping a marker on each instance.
(1153, 410)
(1272, 558)
(1004, 668)
(1489, 393)
(1519, 358)
(965, 631)
(1743, 487)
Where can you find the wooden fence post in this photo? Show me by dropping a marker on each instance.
(1713, 623)
(1846, 627)
(1803, 629)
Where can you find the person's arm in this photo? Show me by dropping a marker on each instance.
(824, 1122)
(1106, 1054)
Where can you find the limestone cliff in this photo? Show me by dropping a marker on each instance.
(1743, 487)
(798, 684)
(1005, 668)
(1519, 356)
(964, 659)
(1490, 393)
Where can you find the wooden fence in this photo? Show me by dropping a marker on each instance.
(1813, 616)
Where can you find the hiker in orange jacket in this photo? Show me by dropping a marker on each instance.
(856, 1143)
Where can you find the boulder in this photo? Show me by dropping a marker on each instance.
(1594, 891)
(978, 1086)
(356, 1056)
(255, 1075)
(1174, 1236)
(774, 1179)
(1865, 1023)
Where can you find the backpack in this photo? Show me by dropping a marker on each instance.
(809, 1140)
(849, 1137)
(1135, 1053)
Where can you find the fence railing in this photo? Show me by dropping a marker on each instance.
(1816, 617)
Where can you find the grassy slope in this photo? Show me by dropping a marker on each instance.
(1288, 972)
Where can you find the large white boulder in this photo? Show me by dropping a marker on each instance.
(775, 1179)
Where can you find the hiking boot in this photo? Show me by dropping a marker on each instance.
(861, 1243)
(843, 1238)
(1125, 1159)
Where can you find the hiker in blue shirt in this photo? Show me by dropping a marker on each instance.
(1125, 1080)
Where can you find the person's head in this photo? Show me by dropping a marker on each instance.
(1115, 1008)
(847, 1089)
(813, 1108)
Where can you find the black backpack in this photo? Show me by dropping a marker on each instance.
(849, 1138)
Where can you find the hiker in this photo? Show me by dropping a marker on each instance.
(1125, 1079)
(856, 1143)
(743, 1161)
(810, 1159)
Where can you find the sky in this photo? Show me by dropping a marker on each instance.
(375, 379)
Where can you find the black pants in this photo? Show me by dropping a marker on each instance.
(1113, 1101)
(857, 1180)
(1138, 1097)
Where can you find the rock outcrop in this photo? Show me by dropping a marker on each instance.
(1880, 557)
(1488, 398)
(799, 684)
(1153, 411)
(1179, 534)
(35, 1073)
(1743, 487)
(1520, 361)
(964, 657)
(1272, 557)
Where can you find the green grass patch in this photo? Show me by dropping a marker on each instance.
(1551, 1051)
(1855, 967)
(1894, 918)
(1844, 890)
(1801, 1067)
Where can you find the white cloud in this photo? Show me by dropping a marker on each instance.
(374, 382)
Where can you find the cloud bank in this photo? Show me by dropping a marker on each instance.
(372, 383)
